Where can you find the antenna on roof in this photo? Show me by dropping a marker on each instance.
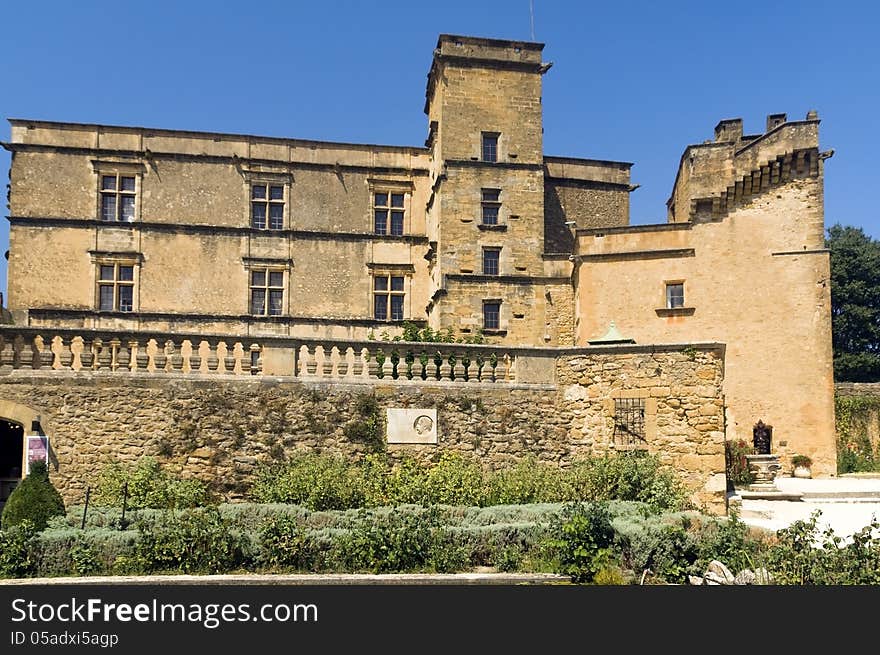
(532, 18)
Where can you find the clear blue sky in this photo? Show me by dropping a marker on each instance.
(632, 81)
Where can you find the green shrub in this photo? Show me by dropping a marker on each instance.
(318, 482)
(17, 550)
(285, 544)
(527, 481)
(148, 486)
(402, 541)
(35, 499)
(736, 464)
(730, 541)
(660, 544)
(582, 537)
(190, 541)
(455, 480)
(627, 476)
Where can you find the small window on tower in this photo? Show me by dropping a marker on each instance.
(674, 295)
(490, 146)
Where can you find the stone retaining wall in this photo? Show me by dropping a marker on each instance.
(220, 428)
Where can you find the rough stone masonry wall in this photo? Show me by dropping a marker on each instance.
(220, 430)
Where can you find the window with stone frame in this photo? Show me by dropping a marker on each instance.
(489, 146)
(491, 314)
(267, 206)
(389, 292)
(267, 292)
(389, 211)
(674, 295)
(491, 260)
(118, 194)
(490, 206)
(116, 286)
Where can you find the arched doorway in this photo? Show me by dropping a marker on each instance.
(11, 457)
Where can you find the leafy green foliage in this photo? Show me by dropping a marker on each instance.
(736, 464)
(855, 304)
(191, 541)
(319, 482)
(583, 537)
(35, 499)
(855, 453)
(148, 486)
(330, 482)
(17, 550)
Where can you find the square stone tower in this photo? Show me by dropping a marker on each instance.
(485, 218)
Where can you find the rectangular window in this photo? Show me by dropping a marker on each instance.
(674, 295)
(116, 287)
(267, 292)
(267, 206)
(388, 212)
(388, 295)
(490, 146)
(629, 421)
(490, 205)
(491, 315)
(491, 256)
(118, 193)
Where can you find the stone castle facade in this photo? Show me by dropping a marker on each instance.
(137, 231)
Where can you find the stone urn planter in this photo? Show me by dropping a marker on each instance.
(802, 464)
(763, 469)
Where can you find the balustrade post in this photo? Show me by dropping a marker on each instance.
(229, 359)
(334, 362)
(65, 356)
(103, 355)
(212, 359)
(123, 356)
(142, 358)
(45, 357)
(7, 356)
(175, 357)
(445, 370)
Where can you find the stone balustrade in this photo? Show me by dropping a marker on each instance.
(127, 352)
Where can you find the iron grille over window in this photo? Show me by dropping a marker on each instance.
(629, 422)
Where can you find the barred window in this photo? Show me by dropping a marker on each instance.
(388, 296)
(267, 206)
(118, 196)
(116, 287)
(267, 292)
(629, 422)
(388, 213)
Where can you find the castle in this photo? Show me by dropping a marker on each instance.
(289, 255)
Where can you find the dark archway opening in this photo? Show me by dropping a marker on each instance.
(11, 457)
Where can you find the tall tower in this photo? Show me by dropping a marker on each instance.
(485, 216)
